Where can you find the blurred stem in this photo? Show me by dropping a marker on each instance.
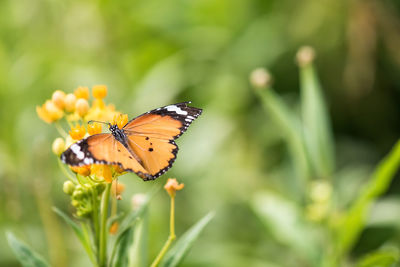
(171, 236)
(292, 131)
(60, 129)
(66, 173)
(103, 227)
(95, 218)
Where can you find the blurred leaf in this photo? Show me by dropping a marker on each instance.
(316, 123)
(385, 212)
(122, 253)
(176, 254)
(126, 231)
(85, 241)
(291, 130)
(26, 256)
(285, 223)
(138, 252)
(379, 259)
(350, 229)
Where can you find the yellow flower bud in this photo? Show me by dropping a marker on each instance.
(172, 186)
(49, 112)
(82, 92)
(114, 228)
(77, 132)
(99, 91)
(81, 107)
(68, 187)
(70, 101)
(94, 128)
(58, 99)
(58, 146)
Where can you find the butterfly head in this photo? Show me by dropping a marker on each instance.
(118, 133)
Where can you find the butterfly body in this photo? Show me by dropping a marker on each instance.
(145, 145)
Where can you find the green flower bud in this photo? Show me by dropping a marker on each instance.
(68, 187)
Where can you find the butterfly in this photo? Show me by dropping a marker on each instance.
(145, 145)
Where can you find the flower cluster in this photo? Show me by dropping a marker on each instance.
(75, 110)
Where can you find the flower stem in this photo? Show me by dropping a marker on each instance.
(171, 236)
(95, 213)
(60, 130)
(103, 226)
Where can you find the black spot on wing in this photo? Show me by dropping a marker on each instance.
(166, 168)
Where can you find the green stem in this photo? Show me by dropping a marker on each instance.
(69, 175)
(171, 236)
(60, 129)
(103, 227)
(95, 214)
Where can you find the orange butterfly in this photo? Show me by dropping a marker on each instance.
(145, 145)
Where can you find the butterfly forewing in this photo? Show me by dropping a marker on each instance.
(151, 135)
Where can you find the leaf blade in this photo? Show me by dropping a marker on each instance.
(26, 256)
(176, 254)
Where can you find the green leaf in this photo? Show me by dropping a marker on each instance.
(84, 239)
(316, 124)
(138, 252)
(176, 254)
(379, 259)
(354, 221)
(26, 256)
(122, 254)
(125, 234)
(284, 221)
(291, 130)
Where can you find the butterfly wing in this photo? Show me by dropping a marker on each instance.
(151, 135)
(102, 149)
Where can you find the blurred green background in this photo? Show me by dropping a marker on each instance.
(153, 53)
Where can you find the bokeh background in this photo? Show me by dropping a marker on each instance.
(153, 53)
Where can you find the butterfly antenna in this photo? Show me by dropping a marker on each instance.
(107, 123)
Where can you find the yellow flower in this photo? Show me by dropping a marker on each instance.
(82, 92)
(120, 120)
(69, 101)
(77, 132)
(99, 91)
(49, 112)
(94, 128)
(58, 99)
(102, 171)
(81, 107)
(82, 170)
(114, 228)
(172, 186)
(58, 146)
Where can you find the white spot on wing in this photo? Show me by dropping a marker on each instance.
(176, 109)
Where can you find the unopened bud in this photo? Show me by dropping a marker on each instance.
(260, 78)
(305, 56)
(68, 187)
(58, 146)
